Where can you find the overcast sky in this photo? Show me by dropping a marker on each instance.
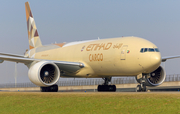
(72, 20)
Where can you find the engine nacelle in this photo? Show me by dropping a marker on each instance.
(156, 77)
(44, 73)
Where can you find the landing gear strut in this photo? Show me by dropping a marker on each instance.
(53, 88)
(141, 87)
(105, 87)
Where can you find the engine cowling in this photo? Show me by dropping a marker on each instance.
(44, 73)
(156, 77)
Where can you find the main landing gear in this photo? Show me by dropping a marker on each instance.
(53, 88)
(141, 87)
(105, 87)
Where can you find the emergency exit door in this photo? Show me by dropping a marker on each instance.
(123, 52)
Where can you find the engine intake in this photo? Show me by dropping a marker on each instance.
(44, 73)
(156, 77)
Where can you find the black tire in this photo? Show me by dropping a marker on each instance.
(43, 89)
(53, 88)
(111, 88)
(99, 88)
(114, 88)
(102, 88)
(138, 88)
(144, 89)
(106, 88)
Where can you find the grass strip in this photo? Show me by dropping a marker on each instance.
(88, 103)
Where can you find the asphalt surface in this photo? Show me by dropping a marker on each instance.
(150, 89)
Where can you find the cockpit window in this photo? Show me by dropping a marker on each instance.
(156, 49)
(146, 49)
(149, 50)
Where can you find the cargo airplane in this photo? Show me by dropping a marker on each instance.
(101, 58)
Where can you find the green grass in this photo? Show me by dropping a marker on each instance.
(89, 103)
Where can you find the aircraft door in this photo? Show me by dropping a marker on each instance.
(123, 52)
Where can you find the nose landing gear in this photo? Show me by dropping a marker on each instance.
(141, 87)
(105, 87)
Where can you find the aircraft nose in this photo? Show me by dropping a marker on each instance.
(156, 59)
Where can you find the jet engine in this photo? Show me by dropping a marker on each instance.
(156, 77)
(44, 73)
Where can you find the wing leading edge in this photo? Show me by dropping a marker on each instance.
(13, 55)
(169, 57)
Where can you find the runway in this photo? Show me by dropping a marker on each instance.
(119, 90)
(166, 86)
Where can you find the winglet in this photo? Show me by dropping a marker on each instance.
(33, 36)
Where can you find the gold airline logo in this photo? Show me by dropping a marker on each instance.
(117, 46)
(96, 57)
(102, 46)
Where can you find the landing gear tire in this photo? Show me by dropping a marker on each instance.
(106, 88)
(144, 89)
(140, 88)
(53, 88)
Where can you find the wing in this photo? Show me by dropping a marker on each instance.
(169, 57)
(13, 55)
(63, 65)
